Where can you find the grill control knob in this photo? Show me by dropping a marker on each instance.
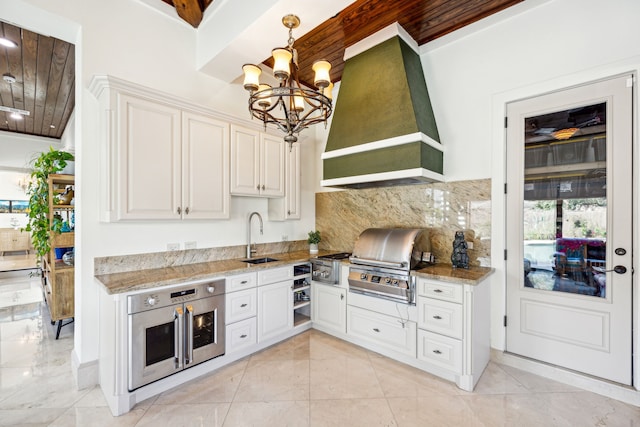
(324, 274)
(363, 276)
(211, 289)
(387, 280)
(151, 301)
(395, 283)
(315, 272)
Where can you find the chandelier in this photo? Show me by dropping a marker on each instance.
(290, 106)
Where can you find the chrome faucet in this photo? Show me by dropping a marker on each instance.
(250, 251)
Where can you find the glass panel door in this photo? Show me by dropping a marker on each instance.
(565, 201)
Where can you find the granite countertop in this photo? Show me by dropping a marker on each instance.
(118, 283)
(446, 273)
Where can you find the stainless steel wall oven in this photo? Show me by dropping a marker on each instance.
(174, 329)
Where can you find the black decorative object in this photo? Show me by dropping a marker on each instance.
(459, 257)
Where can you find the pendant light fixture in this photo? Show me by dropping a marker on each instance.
(290, 106)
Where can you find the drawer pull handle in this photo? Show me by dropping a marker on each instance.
(437, 317)
(243, 336)
(437, 351)
(243, 305)
(438, 291)
(376, 329)
(244, 282)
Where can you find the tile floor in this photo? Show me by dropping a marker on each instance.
(309, 380)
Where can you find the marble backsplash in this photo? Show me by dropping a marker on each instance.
(442, 208)
(125, 263)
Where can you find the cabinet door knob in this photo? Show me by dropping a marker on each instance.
(341, 296)
(258, 187)
(179, 210)
(263, 186)
(186, 210)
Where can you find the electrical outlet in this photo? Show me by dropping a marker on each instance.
(190, 245)
(285, 238)
(173, 246)
(469, 245)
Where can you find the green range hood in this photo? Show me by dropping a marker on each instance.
(383, 130)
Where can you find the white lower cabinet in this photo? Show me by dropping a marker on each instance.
(241, 335)
(329, 308)
(454, 331)
(275, 309)
(383, 330)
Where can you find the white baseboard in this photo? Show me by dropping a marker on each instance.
(606, 388)
(86, 375)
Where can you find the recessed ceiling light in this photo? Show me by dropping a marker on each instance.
(16, 116)
(7, 42)
(52, 126)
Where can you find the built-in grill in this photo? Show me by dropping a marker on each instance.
(382, 260)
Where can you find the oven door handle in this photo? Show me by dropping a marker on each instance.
(377, 263)
(189, 343)
(178, 331)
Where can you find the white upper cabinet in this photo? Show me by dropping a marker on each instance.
(288, 207)
(164, 158)
(148, 167)
(205, 167)
(257, 163)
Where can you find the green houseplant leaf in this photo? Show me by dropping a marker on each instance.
(47, 163)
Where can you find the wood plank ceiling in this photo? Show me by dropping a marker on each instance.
(44, 67)
(44, 72)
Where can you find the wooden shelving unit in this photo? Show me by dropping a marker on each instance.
(58, 277)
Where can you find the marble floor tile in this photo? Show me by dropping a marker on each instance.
(312, 379)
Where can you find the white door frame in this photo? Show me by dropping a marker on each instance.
(498, 298)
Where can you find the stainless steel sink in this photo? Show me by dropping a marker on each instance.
(259, 260)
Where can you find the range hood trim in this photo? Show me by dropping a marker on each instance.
(417, 174)
(381, 36)
(384, 143)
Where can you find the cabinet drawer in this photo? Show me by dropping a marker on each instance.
(241, 335)
(241, 281)
(382, 330)
(274, 275)
(440, 290)
(439, 350)
(440, 316)
(241, 305)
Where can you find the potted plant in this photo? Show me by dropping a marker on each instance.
(38, 225)
(313, 240)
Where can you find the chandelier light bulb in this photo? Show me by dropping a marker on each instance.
(322, 78)
(328, 91)
(281, 60)
(298, 103)
(251, 77)
(265, 96)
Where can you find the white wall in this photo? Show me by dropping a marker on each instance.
(549, 46)
(129, 40)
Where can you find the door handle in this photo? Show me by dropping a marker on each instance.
(189, 356)
(620, 269)
(178, 330)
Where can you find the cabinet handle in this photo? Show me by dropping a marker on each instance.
(263, 186)
(438, 291)
(258, 187)
(243, 336)
(437, 351)
(243, 305)
(288, 212)
(186, 210)
(179, 210)
(437, 317)
(341, 296)
(376, 329)
(244, 282)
